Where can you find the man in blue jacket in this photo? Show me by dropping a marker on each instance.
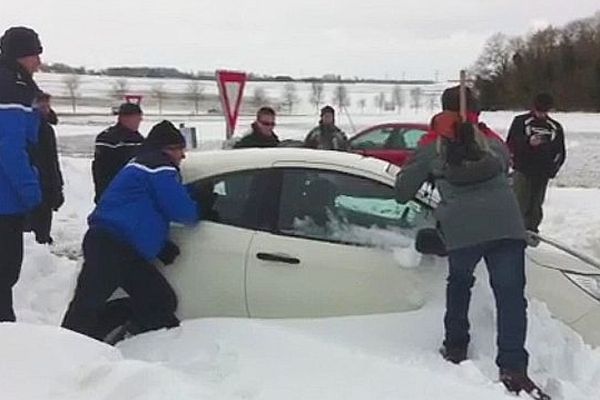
(129, 229)
(20, 192)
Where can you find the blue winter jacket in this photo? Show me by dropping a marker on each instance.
(141, 201)
(20, 189)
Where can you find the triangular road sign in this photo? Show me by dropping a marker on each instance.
(231, 89)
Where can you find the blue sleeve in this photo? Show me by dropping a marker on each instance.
(173, 198)
(16, 125)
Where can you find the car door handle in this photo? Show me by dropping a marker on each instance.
(277, 258)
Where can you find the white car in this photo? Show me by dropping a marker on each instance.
(308, 233)
(295, 233)
(569, 283)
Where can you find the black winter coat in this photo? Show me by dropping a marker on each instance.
(543, 160)
(44, 156)
(256, 139)
(113, 149)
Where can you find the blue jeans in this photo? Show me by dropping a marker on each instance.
(505, 260)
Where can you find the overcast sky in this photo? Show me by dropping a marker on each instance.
(376, 38)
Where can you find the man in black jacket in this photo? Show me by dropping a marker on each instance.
(537, 144)
(115, 146)
(44, 156)
(262, 134)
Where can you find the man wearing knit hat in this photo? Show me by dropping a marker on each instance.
(327, 136)
(128, 230)
(20, 190)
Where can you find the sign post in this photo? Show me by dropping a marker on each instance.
(231, 88)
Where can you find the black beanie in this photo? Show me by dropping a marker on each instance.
(451, 100)
(130, 109)
(20, 42)
(327, 109)
(164, 134)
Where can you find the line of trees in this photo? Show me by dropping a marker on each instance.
(194, 94)
(562, 61)
(167, 72)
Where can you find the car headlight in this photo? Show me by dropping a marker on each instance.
(588, 283)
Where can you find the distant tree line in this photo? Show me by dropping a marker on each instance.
(163, 72)
(562, 61)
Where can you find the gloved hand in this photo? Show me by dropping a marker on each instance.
(57, 199)
(169, 253)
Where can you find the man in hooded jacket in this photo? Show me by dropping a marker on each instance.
(469, 167)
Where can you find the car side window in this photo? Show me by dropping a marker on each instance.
(374, 139)
(244, 199)
(404, 139)
(412, 137)
(343, 208)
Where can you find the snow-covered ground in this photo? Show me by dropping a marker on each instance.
(369, 357)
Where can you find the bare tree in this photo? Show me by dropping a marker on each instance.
(159, 93)
(72, 83)
(290, 96)
(195, 93)
(495, 58)
(379, 101)
(362, 103)
(316, 94)
(432, 101)
(341, 98)
(119, 88)
(259, 97)
(416, 95)
(398, 98)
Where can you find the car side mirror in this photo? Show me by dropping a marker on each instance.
(430, 241)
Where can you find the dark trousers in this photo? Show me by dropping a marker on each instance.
(11, 258)
(505, 260)
(530, 192)
(109, 264)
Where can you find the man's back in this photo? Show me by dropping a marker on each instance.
(145, 196)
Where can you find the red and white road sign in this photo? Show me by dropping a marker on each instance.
(231, 88)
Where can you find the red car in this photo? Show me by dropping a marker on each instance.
(393, 142)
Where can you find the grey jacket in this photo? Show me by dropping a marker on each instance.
(326, 138)
(481, 207)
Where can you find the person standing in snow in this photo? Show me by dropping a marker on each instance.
(262, 134)
(45, 158)
(469, 167)
(129, 229)
(326, 136)
(20, 191)
(537, 144)
(115, 146)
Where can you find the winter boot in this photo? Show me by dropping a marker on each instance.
(454, 354)
(515, 381)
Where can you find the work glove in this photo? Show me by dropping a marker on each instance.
(169, 253)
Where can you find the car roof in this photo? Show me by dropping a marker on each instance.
(410, 125)
(200, 164)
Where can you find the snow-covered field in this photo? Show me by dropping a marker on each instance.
(371, 357)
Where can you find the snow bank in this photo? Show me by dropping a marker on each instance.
(376, 357)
